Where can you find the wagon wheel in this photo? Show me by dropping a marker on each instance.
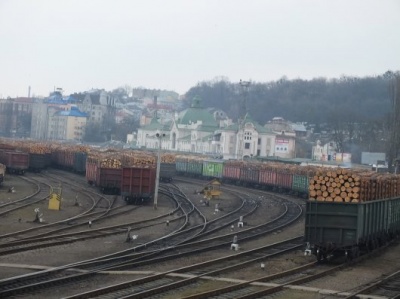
(357, 252)
(349, 255)
(319, 256)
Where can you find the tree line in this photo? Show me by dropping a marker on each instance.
(355, 111)
(312, 101)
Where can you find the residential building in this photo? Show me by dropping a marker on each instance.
(329, 152)
(66, 124)
(285, 138)
(15, 117)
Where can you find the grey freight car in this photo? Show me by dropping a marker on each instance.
(167, 171)
(334, 229)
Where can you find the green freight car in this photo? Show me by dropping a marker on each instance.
(212, 169)
(300, 184)
(346, 229)
(195, 167)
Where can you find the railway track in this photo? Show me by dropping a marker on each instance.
(189, 275)
(40, 194)
(387, 287)
(82, 218)
(31, 279)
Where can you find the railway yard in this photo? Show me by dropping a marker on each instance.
(246, 244)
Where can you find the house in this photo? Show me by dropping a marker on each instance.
(329, 152)
(285, 138)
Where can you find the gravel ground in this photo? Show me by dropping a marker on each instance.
(382, 264)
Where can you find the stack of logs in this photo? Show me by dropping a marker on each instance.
(110, 163)
(111, 159)
(138, 159)
(168, 158)
(345, 185)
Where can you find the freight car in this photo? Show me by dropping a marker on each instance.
(212, 169)
(249, 175)
(2, 173)
(231, 172)
(138, 184)
(108, 180)
(181, 165)
(348, 229)
(79, 162)
(38, 162)
(15, 161)
(195, 168)
(63, 158)
(167, 172)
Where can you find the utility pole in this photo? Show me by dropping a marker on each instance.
(159, 137)
(242, 115)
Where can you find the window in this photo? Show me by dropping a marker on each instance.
(259, 141)
(247, 135)
(247, 145)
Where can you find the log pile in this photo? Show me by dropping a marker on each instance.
(110, 163)
(35, 147)
(138, 159)
(111, 159)
(168, 158)
(343, 185)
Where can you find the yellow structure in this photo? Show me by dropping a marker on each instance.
(55, 199)
(212, 189)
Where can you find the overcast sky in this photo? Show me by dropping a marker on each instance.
(174, 44)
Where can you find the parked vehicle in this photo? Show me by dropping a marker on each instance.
(181, 165)
(79, 163)
(37, 162)
(138, 184)
(212, 169)
(195, 167)
(167, 172)
(108, 180)
(348, 229)
(2, 173)
(15, 161)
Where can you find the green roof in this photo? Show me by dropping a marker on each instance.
(259, 128)
(197, 113)
(248, 119)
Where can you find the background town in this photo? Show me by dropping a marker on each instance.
(344, 120)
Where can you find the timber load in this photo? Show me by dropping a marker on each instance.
(345, 185)
(168, 158)
(105, 160)
(138, 159)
